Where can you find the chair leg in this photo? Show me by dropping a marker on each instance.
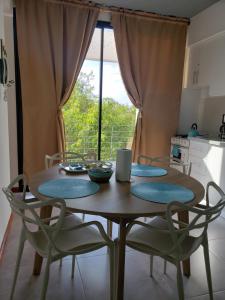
(180, 286)
(73, 266)
(83, 217)
(112, 272)
(151, 265)
(165, 265)
(60, 262)
(207, 267)
(45, 279)
(115, 266)
(18, 260)
(109, 228)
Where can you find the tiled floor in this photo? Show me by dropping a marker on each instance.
(91, 280)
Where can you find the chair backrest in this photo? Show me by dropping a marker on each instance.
(147, 159)
(90, 156)
(200, 219)
(50, 160)
(20, 178)
(29, 215)
(186, 168)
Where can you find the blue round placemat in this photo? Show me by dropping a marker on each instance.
(162, 192)
(147, 171)
(68, 188)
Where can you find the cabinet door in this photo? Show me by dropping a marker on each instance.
(194, 66)
(214, 162)
(208, 164)
(212, 64)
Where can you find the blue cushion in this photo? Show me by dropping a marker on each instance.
(162, 192)
(68, 188)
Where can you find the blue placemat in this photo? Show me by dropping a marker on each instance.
(147, 171)
(162, 192)
(68, 188)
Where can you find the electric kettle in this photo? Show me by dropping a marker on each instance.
(193, 131)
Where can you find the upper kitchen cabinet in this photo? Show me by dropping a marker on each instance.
(207, 65)
(212, 64)
(206, 45)
(194, 66)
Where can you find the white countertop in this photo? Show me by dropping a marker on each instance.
(211, 141)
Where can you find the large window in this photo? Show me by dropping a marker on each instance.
(99, 117)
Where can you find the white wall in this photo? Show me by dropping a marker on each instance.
(211, 120)
(189, 108)
(208, 23)
(4, 149)
(11, 95)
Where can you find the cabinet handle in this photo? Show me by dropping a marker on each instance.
(194, 75)
(197, 74)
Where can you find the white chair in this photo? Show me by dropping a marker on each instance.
(72, 156)
(21, 192)
(175, 241)
(164, 160)
(50, 160)
(59, 157)
(65, 157)
(68, 235)
(168, 161)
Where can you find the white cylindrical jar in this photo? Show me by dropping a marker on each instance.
(123, 164)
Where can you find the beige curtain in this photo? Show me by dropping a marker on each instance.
(151, 59)
(52, 40)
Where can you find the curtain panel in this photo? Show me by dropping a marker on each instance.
(151, 58)
(53, 40)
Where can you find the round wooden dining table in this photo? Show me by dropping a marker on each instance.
(115, 202)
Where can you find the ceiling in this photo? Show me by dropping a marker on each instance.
(178, 8)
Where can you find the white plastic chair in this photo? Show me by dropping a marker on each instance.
(68, 235)
(50, 160)
(176, 240)
(185, 169)
(72, 156)
(67, 157)
(168, 161)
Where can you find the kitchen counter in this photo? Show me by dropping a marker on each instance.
(210, 141)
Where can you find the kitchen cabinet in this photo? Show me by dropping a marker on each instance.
(208, 163)
(207, 65)
(194, 66)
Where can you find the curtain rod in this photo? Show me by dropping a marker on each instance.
(148, 15)
(74, 3)
(126, 11)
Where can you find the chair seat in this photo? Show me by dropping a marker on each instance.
(82, 240)
(158, 243)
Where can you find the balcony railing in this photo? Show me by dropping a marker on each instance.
(111, 139)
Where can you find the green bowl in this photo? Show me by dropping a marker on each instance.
(100, 174)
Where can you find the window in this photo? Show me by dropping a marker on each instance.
(99, 117)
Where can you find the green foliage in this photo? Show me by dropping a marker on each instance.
(81, 121)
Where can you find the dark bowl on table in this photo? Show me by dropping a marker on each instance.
(100, 175)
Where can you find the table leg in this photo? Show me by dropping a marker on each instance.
(121, 260)
(183, 216)
(45, 212)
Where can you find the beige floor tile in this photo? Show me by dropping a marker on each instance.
(92, 273)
